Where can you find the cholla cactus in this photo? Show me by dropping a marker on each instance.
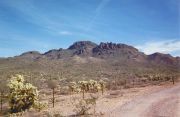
(102, 86)
(72, 86)
(22, 95)
(93, 85)
(83, 86)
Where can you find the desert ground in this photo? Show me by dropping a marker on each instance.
(150, 101)
(159, 102)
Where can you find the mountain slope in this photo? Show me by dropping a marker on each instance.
(85, 59)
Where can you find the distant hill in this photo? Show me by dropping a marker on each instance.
(85, 59)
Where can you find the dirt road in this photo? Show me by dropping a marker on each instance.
(160, 103)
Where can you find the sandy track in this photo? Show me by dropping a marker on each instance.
(160, 103)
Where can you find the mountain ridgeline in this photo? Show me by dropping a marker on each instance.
(85, 59)
(104, 51)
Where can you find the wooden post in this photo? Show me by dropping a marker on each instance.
(133, 82)
(53, 98)
(173, 80)
(102, 90)
(83, 93)
(1, 100)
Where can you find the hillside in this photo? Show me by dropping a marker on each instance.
(85, 59)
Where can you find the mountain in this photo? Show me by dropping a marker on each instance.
(92, 60)
(83, 48)
(104, 51)
(31, 55)
(163, 59)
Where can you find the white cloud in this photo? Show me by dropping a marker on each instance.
(165, 46)
(65, 33)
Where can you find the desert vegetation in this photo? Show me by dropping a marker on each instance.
(77, 83)
(20, 94)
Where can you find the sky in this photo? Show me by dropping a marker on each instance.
(41, 25)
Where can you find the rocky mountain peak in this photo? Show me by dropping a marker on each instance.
(113, 49)
(83, 48)
(111, 46)
(82, 44)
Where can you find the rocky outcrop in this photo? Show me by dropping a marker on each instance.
(115, 50)
(83, 48)
(53, 54)
(82, 44)
(114, 46)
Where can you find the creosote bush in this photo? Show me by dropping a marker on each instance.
(84, 105)
(22, 95)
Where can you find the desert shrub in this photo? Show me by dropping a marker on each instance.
(144, 80)
(22, 95)
(58, 115)
(3, 92)
(72, 87)
(115, 93)
(127, 86)
(40, 105)
(84, 105)
(64, 90)
(167, 78)
(19, 114)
